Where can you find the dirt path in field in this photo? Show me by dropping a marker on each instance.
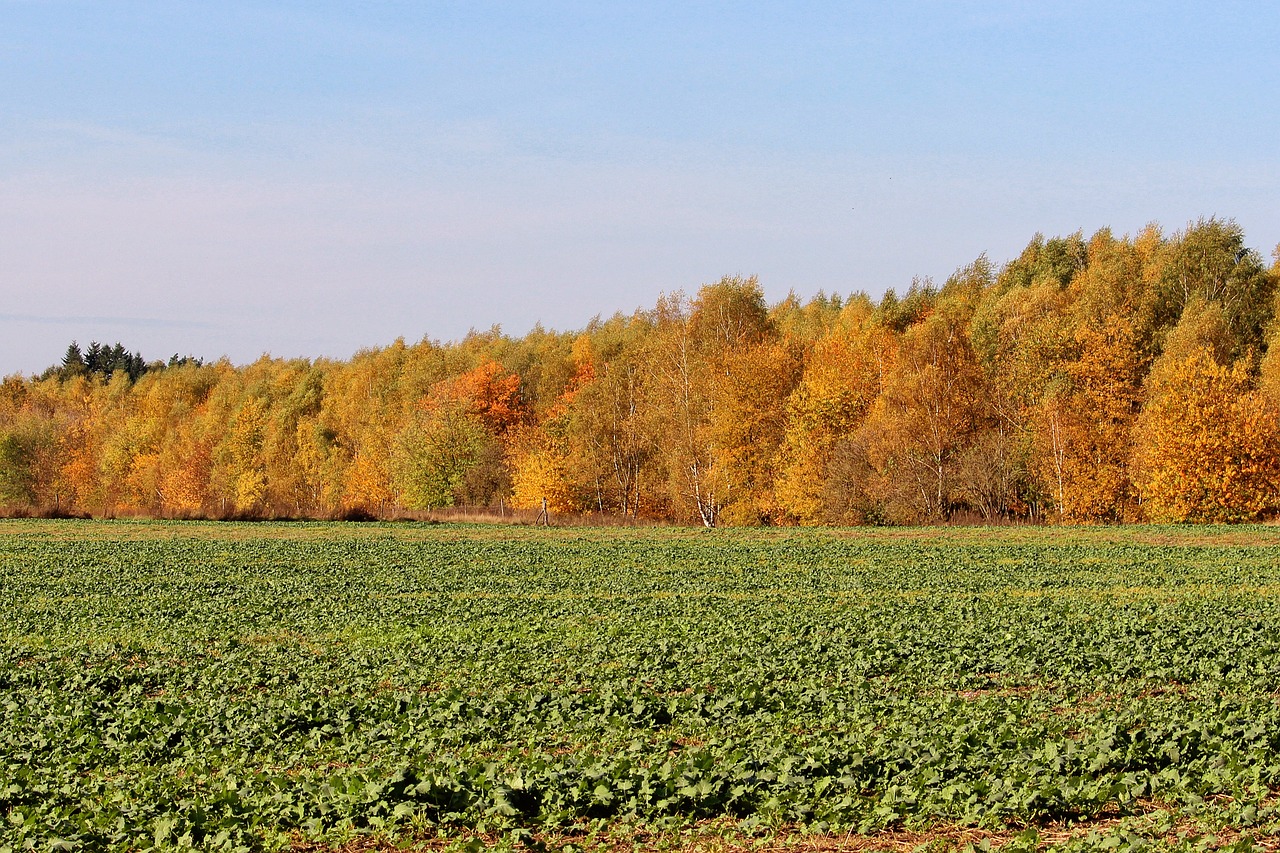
(722, 837)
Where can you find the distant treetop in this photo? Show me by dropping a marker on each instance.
(105, 361)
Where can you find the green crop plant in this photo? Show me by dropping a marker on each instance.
(245, 687)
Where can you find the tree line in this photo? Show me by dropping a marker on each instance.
(1107, 379)
(105, 361)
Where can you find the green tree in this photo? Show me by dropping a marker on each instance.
(15, 472)
(434, 453)
(1210, 261)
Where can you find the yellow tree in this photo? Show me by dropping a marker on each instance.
(33, 428)
(688, 355)
(542, 472)
(556, 463)
(240, 459)
(927, 414)
(82, 407)
(319, 463)
(748, 422)
(843, 375)
(123, 437)
(1208, 448)
(162, 419)
(365, 406)
(292, 391)
(30, 438)
(1083, 425)
(186, 479)
(606, 447)
(1207, 444)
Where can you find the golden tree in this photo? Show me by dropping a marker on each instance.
(843, 375)
(1082, 426)
(1208, 447)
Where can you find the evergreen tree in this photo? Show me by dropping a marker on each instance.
(73, 361)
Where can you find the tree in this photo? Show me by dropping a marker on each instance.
(843, 375)
(73, 361)
(689, 349)
(15, 471)
(489, 394)
(448, 451)
(1083, 425)
(365, 403)
(1065, 383)
(1209, 261)
(1208, 448)
(241, 468)
(990, 473)
(434, 452)
(925, 417)
(542, 474)
(605, 431)
(319, 463)
(748, 422)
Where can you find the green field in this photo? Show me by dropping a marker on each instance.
(256, 686)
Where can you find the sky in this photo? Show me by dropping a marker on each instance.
(312, 178)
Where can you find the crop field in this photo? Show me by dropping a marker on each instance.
(267, 686)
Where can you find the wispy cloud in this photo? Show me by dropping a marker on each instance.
(132, 322)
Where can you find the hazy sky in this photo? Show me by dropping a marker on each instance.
(310, 178)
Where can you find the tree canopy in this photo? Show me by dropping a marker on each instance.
(1101, 379)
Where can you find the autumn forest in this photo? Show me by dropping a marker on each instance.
(1091, 379)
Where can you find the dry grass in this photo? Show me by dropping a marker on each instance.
(479, 524)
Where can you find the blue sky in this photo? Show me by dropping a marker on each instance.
(312, 178)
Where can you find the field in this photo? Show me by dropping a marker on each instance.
(256, 686)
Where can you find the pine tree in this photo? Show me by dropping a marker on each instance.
(73, 362)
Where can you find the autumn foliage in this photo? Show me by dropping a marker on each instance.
(1100, 380)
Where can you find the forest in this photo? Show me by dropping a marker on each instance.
(1099, 379)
